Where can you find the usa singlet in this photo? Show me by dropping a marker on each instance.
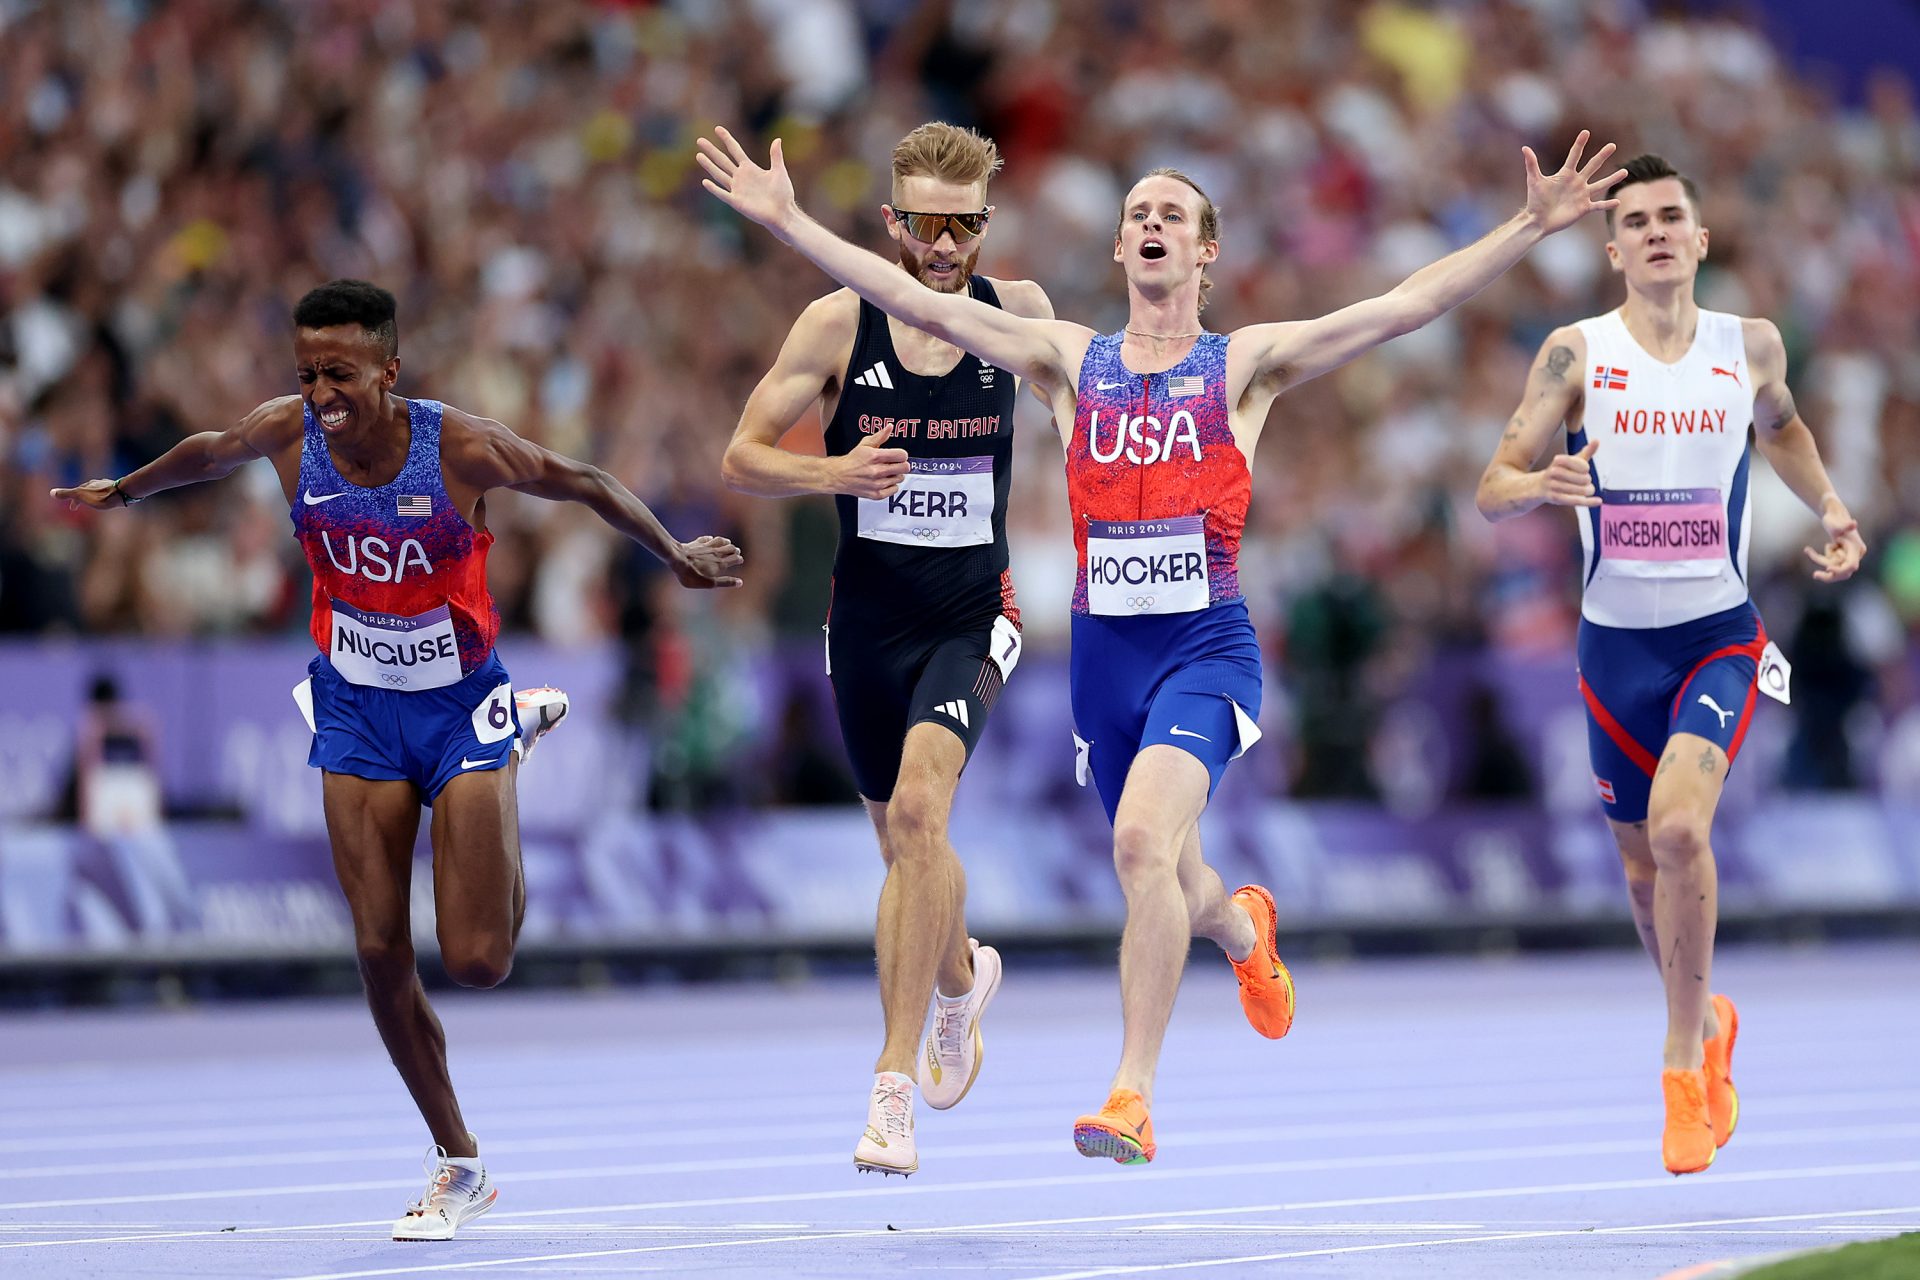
(923, 626)
(1163, 650)
(400, 595)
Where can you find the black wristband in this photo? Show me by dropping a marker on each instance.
(126, 499)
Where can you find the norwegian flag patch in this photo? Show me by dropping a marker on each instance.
(1608, 378)
(1604, 787)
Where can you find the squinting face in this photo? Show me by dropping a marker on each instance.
(945, 264)
(344, 377)
(1657, 237)
(1159, 240)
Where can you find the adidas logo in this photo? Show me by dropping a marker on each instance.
(876, 377)
(957, 710)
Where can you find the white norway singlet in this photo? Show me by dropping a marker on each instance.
(1668, 543)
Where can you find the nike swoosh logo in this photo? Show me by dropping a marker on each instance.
(1188, 733)
(1109, 386)
(312, 501)
(475, 764)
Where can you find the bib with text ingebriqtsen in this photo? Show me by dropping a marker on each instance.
(1668, 542)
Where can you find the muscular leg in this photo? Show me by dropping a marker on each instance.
(1211, 912)
(1636, 856)
(1686, 791)
(924, 893)
(372, 825)
(479, 890)
(1166, 791)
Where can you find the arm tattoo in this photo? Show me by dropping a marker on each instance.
(1665, 763)
(1559, 360)
(1707, 765)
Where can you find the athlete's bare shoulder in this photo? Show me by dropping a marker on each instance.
(1765, 347)
(274, 426)
(1563, 351)
(1023, 298)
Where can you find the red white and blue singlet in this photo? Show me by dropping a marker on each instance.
(400, 596)
(1163, 650)
(407, 685)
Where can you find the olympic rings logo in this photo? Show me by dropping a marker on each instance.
(392, 679)
(1141, 602)
(928, 534)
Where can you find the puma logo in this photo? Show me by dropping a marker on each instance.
(1724, 714)
(1733, 373)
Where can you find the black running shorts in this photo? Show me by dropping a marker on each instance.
(881, 690)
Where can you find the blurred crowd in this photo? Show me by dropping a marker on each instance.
(175, 173)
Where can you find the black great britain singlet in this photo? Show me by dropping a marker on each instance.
(934, 555)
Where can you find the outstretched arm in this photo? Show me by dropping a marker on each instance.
(484, 455)
(1291, 353)
(1510, 485)
(1790, 449)
(1041, 351)
(208, 455)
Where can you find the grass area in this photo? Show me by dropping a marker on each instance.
(1895, 1259)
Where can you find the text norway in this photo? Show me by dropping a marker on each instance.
(407, 653)
(1134, 571)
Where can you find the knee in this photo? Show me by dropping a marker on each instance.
(1140, 854)
(386, 962)
(479, 963)
(1678, 842)
(913, 825)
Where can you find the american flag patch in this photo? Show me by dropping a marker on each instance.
(1609, 379)
(415, 505)
(1181, 388)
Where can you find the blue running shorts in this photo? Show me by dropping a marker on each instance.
(1186, 680)
(426, 737)
(1642, 685)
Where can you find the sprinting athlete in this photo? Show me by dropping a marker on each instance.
(1160, 423)
(409, 702)
(1657, 399)
(923, 630)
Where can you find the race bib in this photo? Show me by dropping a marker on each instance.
(1776, 674)
(1663, 533)
(387, 651)
(943, 502)
(1147, 566)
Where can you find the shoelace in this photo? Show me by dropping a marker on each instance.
(439, 1177)
(950, 1029)
(896, 1109)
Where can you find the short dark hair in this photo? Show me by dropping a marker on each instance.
(351, 302)
(1652, 168)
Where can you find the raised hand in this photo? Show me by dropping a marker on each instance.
(96, 494)
(765, 195)
(703, 563)
(1569, 479)
(1845, 547)
(1559, 201)
(869, 471)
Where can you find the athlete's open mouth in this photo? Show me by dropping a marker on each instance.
(334, 417)
(1152, 250)
(1660, 255)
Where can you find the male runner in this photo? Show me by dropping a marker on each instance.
(923, 629)
(409, 701)
(1656, 400)
(1159, 423)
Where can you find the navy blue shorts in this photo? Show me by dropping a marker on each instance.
(1186, 680)
(1643, 685)
(426, 736)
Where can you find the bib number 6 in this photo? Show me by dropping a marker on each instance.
(493, 718)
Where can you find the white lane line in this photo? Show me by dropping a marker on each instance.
(1247, 1259)
(741, 1164)
(1456, 1122)
(310, 1230)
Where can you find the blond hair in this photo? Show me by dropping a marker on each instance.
(946, 152)
(1209, 219)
